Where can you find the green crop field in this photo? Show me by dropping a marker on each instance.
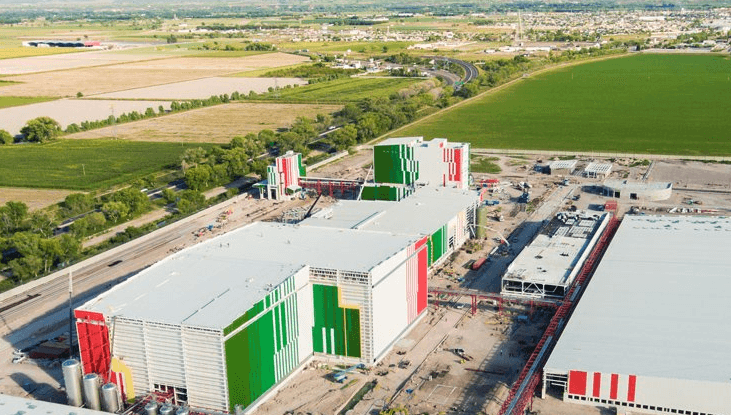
(85, 164)
(343, 90)
(6, 102)
(655, 104)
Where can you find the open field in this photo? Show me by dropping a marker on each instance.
(67, 111)
(84, 164)
(97, 80)
(20, 51)
(69, 60)
(215, 63)
(213, 124)
(346, 89)
(203, 88)
(34, 198)
(657, 104)
(6, 102)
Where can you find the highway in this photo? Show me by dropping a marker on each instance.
(470, 70)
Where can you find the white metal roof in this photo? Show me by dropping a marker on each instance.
(435, 142)
(657, 305)
(636, 186)
(562, 164)
(598, 168)
(550, 259)
(422, 213)
(214, 282)
(13, 405)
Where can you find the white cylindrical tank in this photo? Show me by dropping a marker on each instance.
(72, 379)
(182, 411)
(110, 398)
(151, 408)
(91, 391)
(167, 409)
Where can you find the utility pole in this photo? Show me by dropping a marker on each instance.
(71, 313)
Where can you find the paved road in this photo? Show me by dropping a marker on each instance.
(470, 70)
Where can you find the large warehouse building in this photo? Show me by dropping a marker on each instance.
(651, 332)
(548, 266)
(223, 323)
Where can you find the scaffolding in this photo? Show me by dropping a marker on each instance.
(343, 187)
(521, 394)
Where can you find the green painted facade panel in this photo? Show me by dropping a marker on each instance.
(437, 245)
(336, 329)
(302, 168)
(266, 349)
(394, 164)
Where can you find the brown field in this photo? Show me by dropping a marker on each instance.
(213, 124)
(18, 66)
(34, 198)
(98, 80)
(203, 88)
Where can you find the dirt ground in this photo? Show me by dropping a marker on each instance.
(238, 64)
(203, 88)
(213, 124)
(57, 62)
(350, 167)
(34, 198)
(67, 111)
(98, 80)
(693, 174)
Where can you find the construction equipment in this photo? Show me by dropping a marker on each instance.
(524, 198)
(343, 374)
(461, 353)
(309, 212)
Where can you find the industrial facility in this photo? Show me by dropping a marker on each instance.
(283, 177)
(548, 266)
(651, 331)
(400, 164)
(220, 325)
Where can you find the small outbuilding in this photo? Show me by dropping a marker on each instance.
(562, 167)
(597, 170)
(647, 191)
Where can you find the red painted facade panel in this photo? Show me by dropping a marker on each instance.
(577, 382)
(613, 386)
(631, 388)
(597, 384)
(422, 288)
(93, 340)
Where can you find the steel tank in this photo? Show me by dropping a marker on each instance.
(91, 391)
(72, 380)
(167, 409)
(110, 398)
(151, 408)
(182, 411)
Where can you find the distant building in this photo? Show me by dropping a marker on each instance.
(647, 191)
(597, 170)
(283, 177)
(561, 167)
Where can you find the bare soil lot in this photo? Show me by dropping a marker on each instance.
(57, 62)
(34, 198)
(98, 80)
(237, 64)
(213, 124)
(693, 174)
(67, 111)
(203, 88)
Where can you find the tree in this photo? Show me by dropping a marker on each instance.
(42, 223)
(41, 129)
(192, 156)
(6, 137)
(190, 201)
(136, 201)
(344, 137)
(114, 211)
(198, 177)
(12, 216)
(79, 94)
(88, 224)
(77, 203)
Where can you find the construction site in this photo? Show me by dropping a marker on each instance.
(398, 281)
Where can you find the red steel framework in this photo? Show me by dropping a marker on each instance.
(330, 185)
(523, 389)
(476, 296)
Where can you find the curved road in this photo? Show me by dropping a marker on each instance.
(470, 70)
